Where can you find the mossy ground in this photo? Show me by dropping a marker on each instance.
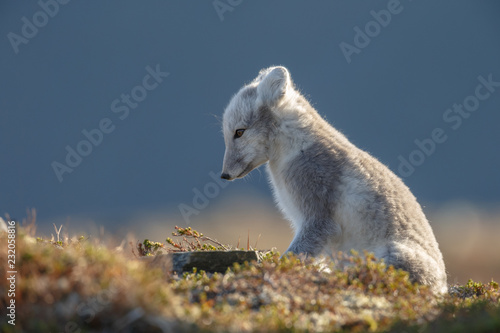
(80, 286)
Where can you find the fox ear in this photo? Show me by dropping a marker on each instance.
(273, 85)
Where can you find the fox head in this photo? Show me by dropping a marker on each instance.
(250, 119)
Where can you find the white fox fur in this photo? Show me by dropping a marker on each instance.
(336, 196)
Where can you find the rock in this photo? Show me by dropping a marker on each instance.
(209, 261)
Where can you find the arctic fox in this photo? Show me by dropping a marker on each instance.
(336, 196)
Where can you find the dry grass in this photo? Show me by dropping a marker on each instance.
(76, 283)
(467, 234)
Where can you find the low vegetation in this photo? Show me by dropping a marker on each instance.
(188, 240)
(79, 285)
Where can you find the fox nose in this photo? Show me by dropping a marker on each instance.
(225, 176)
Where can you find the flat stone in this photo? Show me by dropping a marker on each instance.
(209, 261)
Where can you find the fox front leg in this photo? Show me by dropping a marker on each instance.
(313, 237)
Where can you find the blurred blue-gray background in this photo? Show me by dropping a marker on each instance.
(64, 63)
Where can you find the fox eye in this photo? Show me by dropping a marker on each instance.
(238, 133)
